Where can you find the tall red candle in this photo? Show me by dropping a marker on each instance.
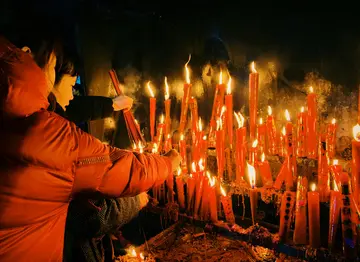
(194, 115)
(160, 132)
(290, 152)
(227, 205)
(182, 151)
(240, 149)
(152, 111)
(199, 187)
(185, 98)
(203, 148)
(335, 204)
(355, 164)
(261, 135)
(190, 192)
(167, 103)
(311, 125)
(220, 149)
(301, 133)
(253, 99)
(335, 171)
(323, 171)
(229, 113)
(281, 142)
(314, 217)
(265, 172)
(217, 105)
(180, 189)
(331, 138)
(300, 235)
(213, 200)
(271, 133)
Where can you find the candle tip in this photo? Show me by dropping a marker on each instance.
(333, 121)
(287, 115)
(269, 110)
(356, 132)
(253, 69)
(251, 175)
(311, 89)
(313, 187)
(302, 109)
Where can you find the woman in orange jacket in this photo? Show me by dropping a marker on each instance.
(46, 161)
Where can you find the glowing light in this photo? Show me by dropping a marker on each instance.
(287, 115)
(220, 78)
(162, 118)
(356, 132)
(200, 124)
(333, 121)
(302, 109)
(313, 187)
(260, 121)
(255, 143)
(251, 175)
(269, 110)
(150, 89)
(240, 119)
(222, 190)
(167, 92)
(283, 131)
(179, 171)
(228, 89)
(263, 157)
(335, 162)
(187, 73)
(193, 167)
(311, 89)
(253, 69)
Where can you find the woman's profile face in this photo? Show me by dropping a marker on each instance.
(63, 90)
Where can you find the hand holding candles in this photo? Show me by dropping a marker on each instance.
(314, 217)
(253, 99)
(227, 205)
(167, 103)
(185, 99)
(271, 133)
(152, 111)
(252, 191)
(240, 147)
(311, 124)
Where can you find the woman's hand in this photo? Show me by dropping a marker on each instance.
(122, 103)
(175, 159)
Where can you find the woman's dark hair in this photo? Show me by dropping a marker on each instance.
(67, 66)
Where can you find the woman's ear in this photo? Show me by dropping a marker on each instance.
(26, 49)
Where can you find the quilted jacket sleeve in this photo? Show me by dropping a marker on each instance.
(112, 172)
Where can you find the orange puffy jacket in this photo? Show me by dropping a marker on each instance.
(46, 160)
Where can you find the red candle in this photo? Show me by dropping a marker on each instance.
(265, 172)
(252, 191)
(331, 138)
(311, 125)
(194, 115)
(160, 132)
(240, 149)
(227, 205)
(170, 186)
(229, 113)
(182, 150)
(323, 171)
(355, 167)
(261, 134)
(314, 217)
(217, 104)
(335, 204)
(253, 154)
(281, 142)
(196, 147)
(301, 133)
(220, 149)
(185, 98)
(168, 143)
(253, 99)
(300, 212)
(348, 225)
(335, 172)
(203, 148)
(286, 213)
(152, 111)
(271, 133)
(283, 173)
(180, 189)
(199, 187)
(213, 200)
(167, 103)
(190, 192)
(204, 205)
(290, 153)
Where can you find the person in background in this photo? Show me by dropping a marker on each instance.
(90, 223)
(46, 161)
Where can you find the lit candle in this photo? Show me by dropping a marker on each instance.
(194, 115)
(168, 142)
(253, 99)
(335, 204)
(213, 200)
(265, 172)
(185, 98)
(314, 217)
(290, 152)
(261, 134)
(323, 171)
(229, 113)
(196, 147)
(355, 165)
(253, 156)
(311, 125)
(199, 187)
(300, 212)
(217, 104)
(152, 111)
(227, 205)
(240, 149)
(160, 131)
(281, 142)
(348, 225)
(331, 138)
(167, 103)
(271, 133)
(301, 133)
(191, 188)
(335, 171)
(286, 213)
(182, 150)
(252, 191)
(220, 149)
(204, 206)
(180, 189)
(203, 148)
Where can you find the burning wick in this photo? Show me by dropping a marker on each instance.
(187, 73)
(193, 167)
(333, 121)
(228, 90)
(240, 119)
(253, 70)
(150, 90)
(260, 121)
(220, 78)
(313, 187)
(162, 119)
(311, 89)
(167, 93)
(302, 109)
(287, 115)
(356, 132)
(283, 131)
(252, 175)
(335, 162)
(269, 110)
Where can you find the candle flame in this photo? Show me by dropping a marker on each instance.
(162, 119)
(263, 157)
(228, 90)
(222, 190)
(155, 148)
(204, 137)
(141, 146)
(193, 167)
(313, 187)
(179, 171)
(335, 162)
(201, 165)
(255, 143)
(283, 131)
(333, 121)
(251, 175)
(261, 121)
(187, 73)
(208, 175)
(223, 110)
(253, 70)
(240, 119)
(136, 122)
(167, 93)
(182, 137)
(287, 115)
(335, 187)
(218, 124)
(212, 181)
(302, 109)
(311, 89)
(132, 251)
(356, 132)
(150, 90)
(220, 78)
(142, 257)
(200, 124)
(269, 110)
(134, 146)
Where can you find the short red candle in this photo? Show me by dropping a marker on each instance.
(314, 217)
(300, 236)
